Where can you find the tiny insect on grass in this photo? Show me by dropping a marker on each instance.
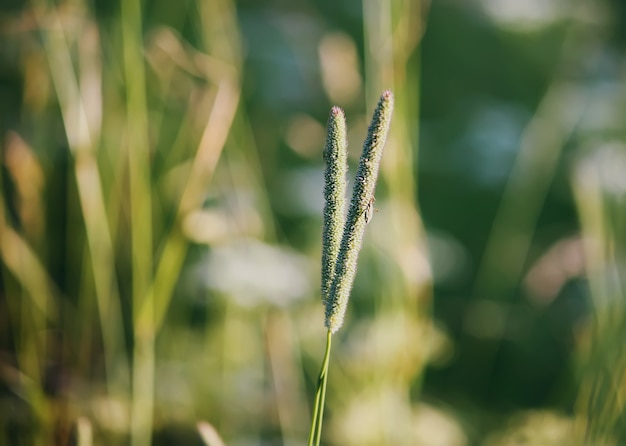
(369, 210)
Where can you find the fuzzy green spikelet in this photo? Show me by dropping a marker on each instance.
(362, 197)
(336, 159)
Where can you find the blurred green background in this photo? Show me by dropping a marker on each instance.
(160, 222)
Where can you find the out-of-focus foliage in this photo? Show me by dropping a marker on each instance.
(160, 222)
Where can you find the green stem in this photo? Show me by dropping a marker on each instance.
(315, 433)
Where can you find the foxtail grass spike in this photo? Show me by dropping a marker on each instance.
(362, 197)
(336, 160)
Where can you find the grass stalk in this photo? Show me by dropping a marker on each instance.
(315, 434)
(140, 181)
(82, 144)
(340, 251)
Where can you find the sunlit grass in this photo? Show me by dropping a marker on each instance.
(160, 212)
